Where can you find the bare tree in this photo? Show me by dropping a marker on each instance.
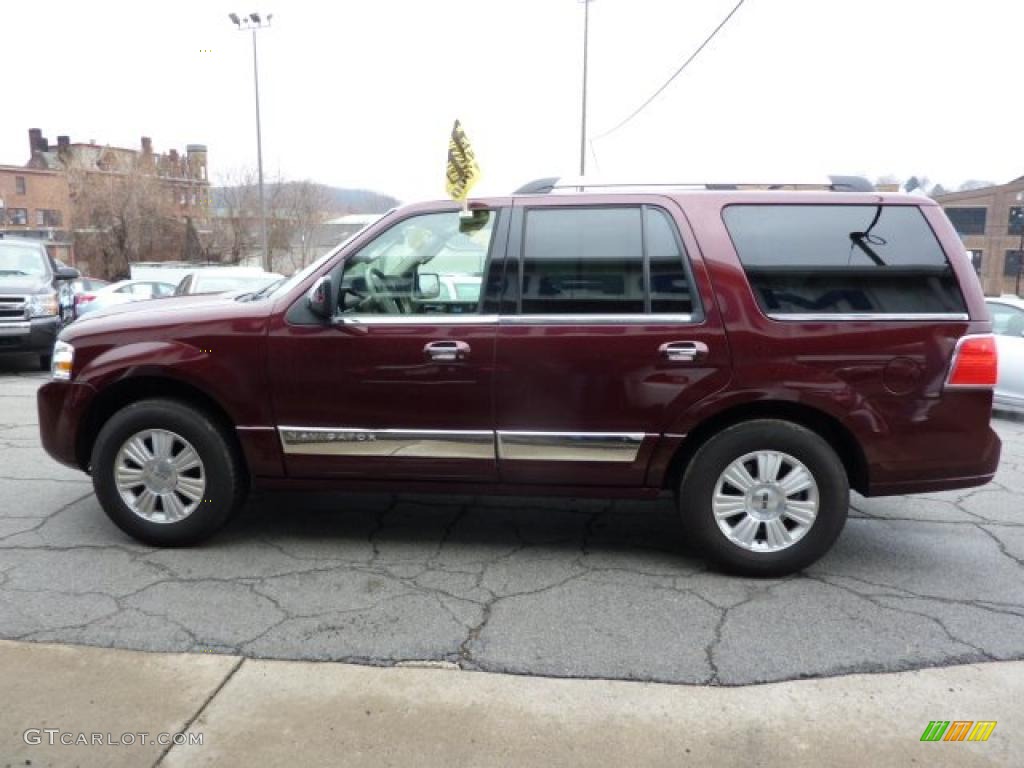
(295, 212)
(123, 213)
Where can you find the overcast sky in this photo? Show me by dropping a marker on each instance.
(364, 93)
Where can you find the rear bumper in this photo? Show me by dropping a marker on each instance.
(35, 335)
(959, 470)
(62, 407)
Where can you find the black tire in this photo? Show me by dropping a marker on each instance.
(45, 361)
(224, 473)
(701, 477)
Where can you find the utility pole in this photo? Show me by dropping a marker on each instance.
(254, 22)
(583, 110)
(1020, 248)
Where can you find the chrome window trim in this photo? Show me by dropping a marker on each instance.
(617, 447)
(538, 319)
(597, 319)
(825, 317)
(466, 319)
(399, 443)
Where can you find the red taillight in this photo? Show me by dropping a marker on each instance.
(975, 362)
(84, 298)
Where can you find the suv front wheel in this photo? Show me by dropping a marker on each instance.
(165, 474)
(765, 497)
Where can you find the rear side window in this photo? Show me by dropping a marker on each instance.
(609, 260)
(843, 259)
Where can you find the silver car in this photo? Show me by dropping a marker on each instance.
(1008, 324)
(123, 292)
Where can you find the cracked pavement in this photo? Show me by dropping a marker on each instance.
(556, 587)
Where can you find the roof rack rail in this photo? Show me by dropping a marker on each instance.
(551, 184)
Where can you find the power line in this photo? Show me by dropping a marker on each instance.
(668, 82)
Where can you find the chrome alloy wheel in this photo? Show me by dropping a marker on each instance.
(765, 501)
(160, 476)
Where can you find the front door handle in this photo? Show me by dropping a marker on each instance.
(683, 351)
(446, 351)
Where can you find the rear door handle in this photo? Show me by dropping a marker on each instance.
(446, 351)
(683, 351)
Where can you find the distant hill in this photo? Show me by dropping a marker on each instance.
(341, 199)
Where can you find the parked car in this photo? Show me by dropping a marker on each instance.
(30, 308)
(122, 292)
(755, 352)
(83, 290)
(1008, 325)
(213, 280)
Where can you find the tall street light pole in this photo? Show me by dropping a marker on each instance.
(583, 109)
(254, 22)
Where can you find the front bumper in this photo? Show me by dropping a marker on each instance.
(35, 335)
(62, 408)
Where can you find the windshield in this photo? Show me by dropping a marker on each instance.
(19, 260)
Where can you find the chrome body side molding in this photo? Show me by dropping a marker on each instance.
(400, 443)
(569, 446)
(617, 447)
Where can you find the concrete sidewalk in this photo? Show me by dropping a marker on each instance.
(279, 713)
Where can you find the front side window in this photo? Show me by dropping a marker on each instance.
(601, 261)
(431, 264)
(839, 259)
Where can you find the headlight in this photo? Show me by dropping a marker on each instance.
(63, 360)
(43, 305)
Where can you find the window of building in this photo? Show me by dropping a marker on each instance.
(594, 261)
(841, 259)
(47, 218)
(968, 221)
(1012, 263)
(17, 216)
(1015, 225)
(19, 185)
(976, 255)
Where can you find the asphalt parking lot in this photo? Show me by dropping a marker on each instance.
(559, 587)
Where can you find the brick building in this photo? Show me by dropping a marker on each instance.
(35, 203)
(990, 221)
(39, 198)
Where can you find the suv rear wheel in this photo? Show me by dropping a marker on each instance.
(765, 497)
(165, 474)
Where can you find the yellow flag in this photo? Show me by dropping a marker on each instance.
(462, 172)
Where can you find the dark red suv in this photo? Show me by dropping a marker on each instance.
(758, 352)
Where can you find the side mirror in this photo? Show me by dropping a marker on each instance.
(67, 273)
(427, 286)
(322, 299)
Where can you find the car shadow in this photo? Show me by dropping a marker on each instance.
(312, 521)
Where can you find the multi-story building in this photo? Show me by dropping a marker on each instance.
(35, 203)
(40, 198)
(990, 221)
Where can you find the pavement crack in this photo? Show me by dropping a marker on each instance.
(202, 708)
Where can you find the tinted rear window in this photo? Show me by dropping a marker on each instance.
(842, 259)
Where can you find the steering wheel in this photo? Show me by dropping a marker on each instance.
(376, 285)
